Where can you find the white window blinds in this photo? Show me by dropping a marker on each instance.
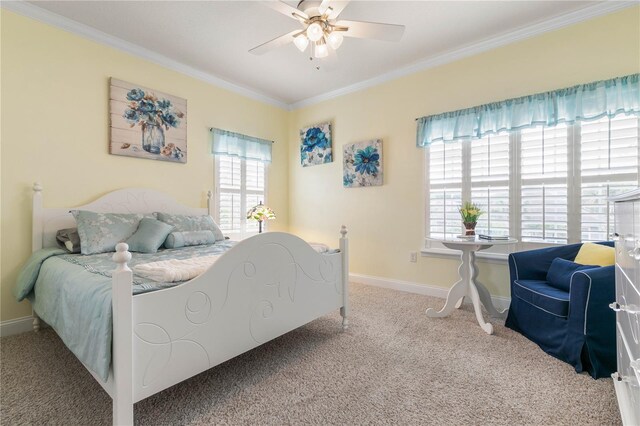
(543, 171)
(240, 186)
(489, 170)
(540, 185)
(445, 196)
(608, 166)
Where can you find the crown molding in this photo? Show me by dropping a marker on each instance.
(85, 31)
(47, 17)
(523, 33)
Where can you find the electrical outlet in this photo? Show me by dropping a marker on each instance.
(413, 257)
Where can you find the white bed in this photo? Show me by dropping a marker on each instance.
(261, 288)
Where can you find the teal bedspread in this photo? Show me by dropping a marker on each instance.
(72, 293)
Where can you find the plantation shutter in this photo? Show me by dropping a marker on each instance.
(489, 169)
(608, 166)
(445, 189)
(544, 194)
(229, 193)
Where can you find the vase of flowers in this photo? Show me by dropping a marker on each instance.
(470, 212)
(154, 116)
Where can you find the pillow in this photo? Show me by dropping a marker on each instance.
(183, 222)
(149, 237)
(560, 272)
(189, 238)
(596, 254)
(100, 232)
(69, 239)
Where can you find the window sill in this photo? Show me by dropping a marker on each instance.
(444, 253)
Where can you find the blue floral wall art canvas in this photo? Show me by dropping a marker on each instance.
(315, 145)
(146, 123)
(362, 164)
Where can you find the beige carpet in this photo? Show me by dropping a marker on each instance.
(393, 366)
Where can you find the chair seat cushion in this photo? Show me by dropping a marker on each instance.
(543, 296)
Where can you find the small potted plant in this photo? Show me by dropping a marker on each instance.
(470, 212)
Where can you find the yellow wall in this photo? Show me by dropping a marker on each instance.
(55, 130)
(386, 223)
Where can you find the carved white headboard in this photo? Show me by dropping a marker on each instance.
(46, 222)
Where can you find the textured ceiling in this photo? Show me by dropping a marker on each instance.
(214, 37)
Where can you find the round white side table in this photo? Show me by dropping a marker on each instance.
(468, 285)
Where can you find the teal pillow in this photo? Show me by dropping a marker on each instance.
(183, 222)
(100, 232)
(150, 236)
(189, 238)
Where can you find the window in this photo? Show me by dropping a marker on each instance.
(489, 183)
(608, 166)
(543, 173)
(484, 181)
(445, 181)
(241, 184)
(541, 185)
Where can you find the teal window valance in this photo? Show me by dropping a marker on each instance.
(583, 102)
(239, 145)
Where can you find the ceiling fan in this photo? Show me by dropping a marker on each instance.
(322, 29)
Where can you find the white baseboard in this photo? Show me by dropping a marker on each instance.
(16, 326)
(500, 302)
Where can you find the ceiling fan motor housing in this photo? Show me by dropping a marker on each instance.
(310, 7)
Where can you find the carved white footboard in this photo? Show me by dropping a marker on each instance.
(261, 288)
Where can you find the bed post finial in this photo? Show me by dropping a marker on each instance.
(344, 251)
(122, 350)
(122, 257)
(209, 202)
(37, 187)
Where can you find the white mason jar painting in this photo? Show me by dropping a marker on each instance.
(146, 123)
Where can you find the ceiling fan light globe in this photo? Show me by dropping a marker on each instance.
(301, 42)
(321, 51)
(335, 40)
(315, 32)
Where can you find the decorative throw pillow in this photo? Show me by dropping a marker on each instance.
(69, 239)
(189, 238)
(560, 272)
(596, 254)
(183, 222)
(100, 232)
(150, 236)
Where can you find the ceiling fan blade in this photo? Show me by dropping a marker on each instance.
(336, 8)
(323, 6)
(287, 10)
(275, 43)
(360, 29)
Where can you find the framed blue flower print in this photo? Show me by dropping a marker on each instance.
(315, 145)
(146, 123)
(362, 164)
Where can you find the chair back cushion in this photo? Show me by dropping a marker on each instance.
(595, 254)
(560, 272)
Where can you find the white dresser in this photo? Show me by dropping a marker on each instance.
(627, 305)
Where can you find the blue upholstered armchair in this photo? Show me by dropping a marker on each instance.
(577, 326)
